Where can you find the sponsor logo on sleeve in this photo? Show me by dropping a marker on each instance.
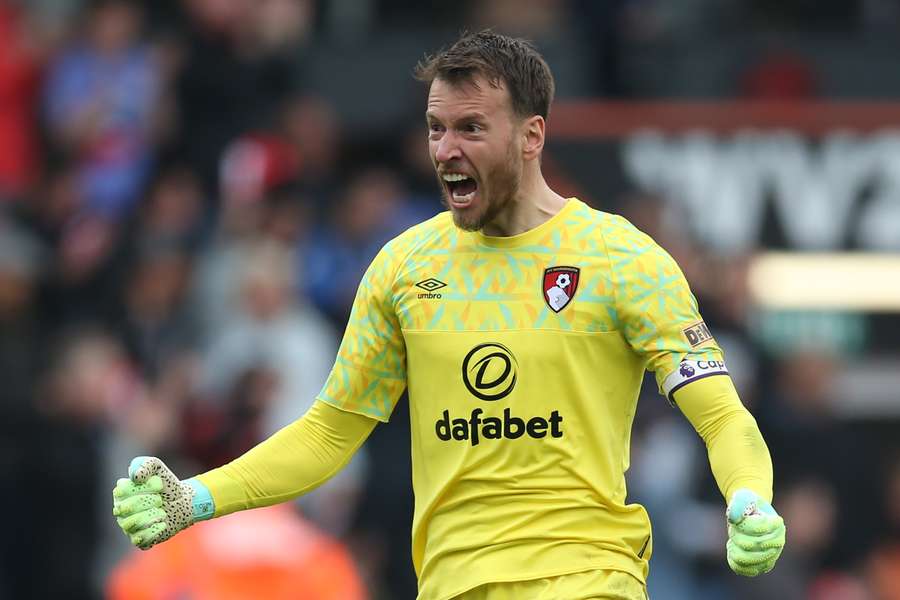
(697, 334)
(691, 370)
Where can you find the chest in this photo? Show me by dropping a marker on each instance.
(505, 290)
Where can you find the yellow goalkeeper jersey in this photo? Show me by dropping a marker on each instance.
(523, 357)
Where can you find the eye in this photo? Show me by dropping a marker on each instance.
(435, 127)
(473, 128)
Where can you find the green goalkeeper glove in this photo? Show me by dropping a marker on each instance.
(152, 505)
(755, 534)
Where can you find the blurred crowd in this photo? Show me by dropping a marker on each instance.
(836, 478)
(183, 223)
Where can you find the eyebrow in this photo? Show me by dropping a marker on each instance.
(471, 116)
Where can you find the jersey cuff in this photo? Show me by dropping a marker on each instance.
(688, 371)
(202, 504)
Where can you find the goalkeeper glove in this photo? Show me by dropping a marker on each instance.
(755, 534)
(152, 505)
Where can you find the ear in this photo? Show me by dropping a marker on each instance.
(533, 130)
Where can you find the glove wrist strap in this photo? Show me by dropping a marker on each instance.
(202, 503)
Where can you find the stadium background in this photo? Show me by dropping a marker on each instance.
(190, 191)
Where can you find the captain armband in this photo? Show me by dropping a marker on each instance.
(689, 371)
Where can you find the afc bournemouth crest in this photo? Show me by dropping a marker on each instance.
(560, 284)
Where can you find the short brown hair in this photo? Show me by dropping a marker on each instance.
(501, 59)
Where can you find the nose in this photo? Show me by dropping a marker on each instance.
(447, 148)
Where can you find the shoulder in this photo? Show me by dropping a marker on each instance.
(619, 233)
(628, 248)
(436, 231)
(609, 226)
(611, 233)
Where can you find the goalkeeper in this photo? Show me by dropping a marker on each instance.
(521, 323)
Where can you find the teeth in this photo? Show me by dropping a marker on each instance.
(454, 177)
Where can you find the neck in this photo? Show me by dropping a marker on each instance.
(533, 204)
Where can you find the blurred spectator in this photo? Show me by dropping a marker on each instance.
(289, 218)
(274, 333)
(258, 191)
(242, 62)
(102, 103)
(55, 203)
(216, 433)
(891, 500)
(374, 208)
(252, 165)
(270, 553)
(810, 507)
(601, 26)
(270, 328)
(20, 62)
(311, 125)
(21, 331)
(91, 381)
(22, 353)
(883, 572)
(80, 278)
(172, 212)
(83, 285)
(282, 25)
(838, 586)
(796, 418)
(155, 266)
(883, 564)
(528, 18)
(21, 261)
(155, 324)
(417, 170)
(88, 382)
(666, 466)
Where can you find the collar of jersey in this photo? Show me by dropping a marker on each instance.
(530, 237)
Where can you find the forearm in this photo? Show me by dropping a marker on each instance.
(738, 455)
(293, 461)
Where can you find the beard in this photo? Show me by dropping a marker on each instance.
(495, 194)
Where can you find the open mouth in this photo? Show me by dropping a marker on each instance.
(460, 188)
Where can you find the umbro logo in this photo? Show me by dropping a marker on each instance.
(430, 285)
